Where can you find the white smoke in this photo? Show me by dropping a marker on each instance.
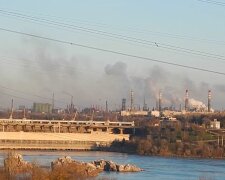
(197, 105)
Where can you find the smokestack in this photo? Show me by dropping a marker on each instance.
(11, 115)
(145, 106)
(131, 100)
(160, 101)
(53, 102)
(123, 104)
(186, 103)
(209, 100)
(106, 106)
(157, 105)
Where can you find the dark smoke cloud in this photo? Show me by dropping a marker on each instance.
(50, 70)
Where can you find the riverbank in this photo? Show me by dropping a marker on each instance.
(163, 148)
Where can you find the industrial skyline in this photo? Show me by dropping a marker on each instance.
(188, 104)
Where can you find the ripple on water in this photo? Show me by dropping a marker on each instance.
(155, 168)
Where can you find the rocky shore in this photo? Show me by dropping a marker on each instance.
(16, 167)
(98, 165)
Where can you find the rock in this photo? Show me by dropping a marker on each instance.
(86, 169)
(99, 163)
(131, 168)
(61, 161)
(15, 164)
(120, 168)
(96, 166)
(110, 166)
(90, 165)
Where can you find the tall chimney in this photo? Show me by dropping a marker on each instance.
(11, 115)
(145, 106)
(124, 104)
(131, 100)
(186, 103)
(160, 101)
(209, 100)
(106, 106)
(53, 102)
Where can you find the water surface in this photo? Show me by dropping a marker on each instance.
(155, 168)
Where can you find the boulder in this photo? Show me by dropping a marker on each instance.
(110, 166)
(120, 167)
(96, 166)
(86, 169)
(15, 164)
(131, 168)
(99, 163)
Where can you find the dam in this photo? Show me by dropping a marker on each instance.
(61, 135)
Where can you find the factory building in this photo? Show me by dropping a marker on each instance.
(42, 108)
(134, 113)
(215, 124)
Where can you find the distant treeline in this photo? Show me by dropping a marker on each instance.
(191, 140)
(201, 118)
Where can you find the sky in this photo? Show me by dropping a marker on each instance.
(189, 33)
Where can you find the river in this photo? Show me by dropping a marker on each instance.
(155, 168)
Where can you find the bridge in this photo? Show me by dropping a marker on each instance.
(65, 126)
(61, 134)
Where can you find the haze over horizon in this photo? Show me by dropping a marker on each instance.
(176, 32)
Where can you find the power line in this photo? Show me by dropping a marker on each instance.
(213, 2)
(4, 87)
(19, 97)
(117, 36)
(131, 29)
(111, 51)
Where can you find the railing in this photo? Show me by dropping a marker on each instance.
(63, 122)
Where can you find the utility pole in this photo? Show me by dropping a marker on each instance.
(53, 102)
(11, 115)
(24, 113)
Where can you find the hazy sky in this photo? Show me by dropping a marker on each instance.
(33, 68)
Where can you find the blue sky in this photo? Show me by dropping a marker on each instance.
(40, 67)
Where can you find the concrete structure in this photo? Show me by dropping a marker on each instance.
(124, 104)
(169, 122)
(215, 124)
(55, 134)
(169, 113)
(62, 126)
(60, 141)
(42, 108)
(155, 113)
(134, 113)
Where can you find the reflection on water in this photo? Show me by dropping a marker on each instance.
(156, 168)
